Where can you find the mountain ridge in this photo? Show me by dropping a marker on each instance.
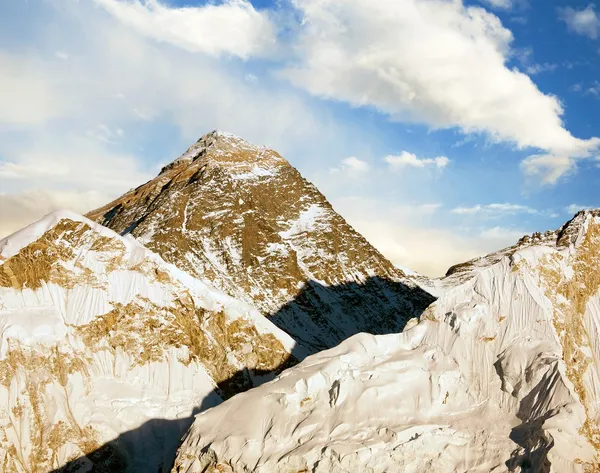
(503, 372)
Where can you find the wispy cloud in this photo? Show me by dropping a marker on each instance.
(593, 89)
(495, 210)
(507, 235)
(500, 4)
(534, 69)
(584, 22)
(406, 159)
(104, 133)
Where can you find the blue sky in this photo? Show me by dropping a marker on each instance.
(440, 129)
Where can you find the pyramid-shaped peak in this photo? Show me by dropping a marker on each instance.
(222, 135)
(228, 151)
(225, 141)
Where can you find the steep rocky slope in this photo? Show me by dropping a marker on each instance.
(242, 217)
(100, 338)
(499, 374)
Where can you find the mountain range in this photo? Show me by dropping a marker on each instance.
(227, 289)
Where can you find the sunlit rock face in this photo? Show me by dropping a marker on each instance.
(106, 350)
(500, 374)
(242, 217)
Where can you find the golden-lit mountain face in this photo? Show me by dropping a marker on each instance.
(99, 336)
(242, 217)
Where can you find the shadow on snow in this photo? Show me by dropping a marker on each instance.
(332, 314)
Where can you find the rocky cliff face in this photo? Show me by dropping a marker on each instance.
(101, 340)
(242, 217)
(499, 374)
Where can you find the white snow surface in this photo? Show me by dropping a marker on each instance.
(479, 384)
(148, 406)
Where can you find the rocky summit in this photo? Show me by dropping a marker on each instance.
(242, 217)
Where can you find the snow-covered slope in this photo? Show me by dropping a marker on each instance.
(100, 339)
(241, 216)
(499, 374)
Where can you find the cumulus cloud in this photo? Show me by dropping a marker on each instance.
(584, 22)
(454, 74)
(495, 210)
(406, 159)
(352, 167)
(234, 27)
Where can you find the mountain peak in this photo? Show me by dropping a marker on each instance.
(242, 217)
(230, 152)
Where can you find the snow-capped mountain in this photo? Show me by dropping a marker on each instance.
(101, 340)
(499, 374)
(242, 217)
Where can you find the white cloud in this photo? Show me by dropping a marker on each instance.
(576, 87)
(406, 159)
(500, 4)
(144, 114)
(594, 89)
(495, 210)
(233, 27)
(104, 133)
(584, 22)
(533, 69)
(352, 167)
(454, 73)
(549, 168)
